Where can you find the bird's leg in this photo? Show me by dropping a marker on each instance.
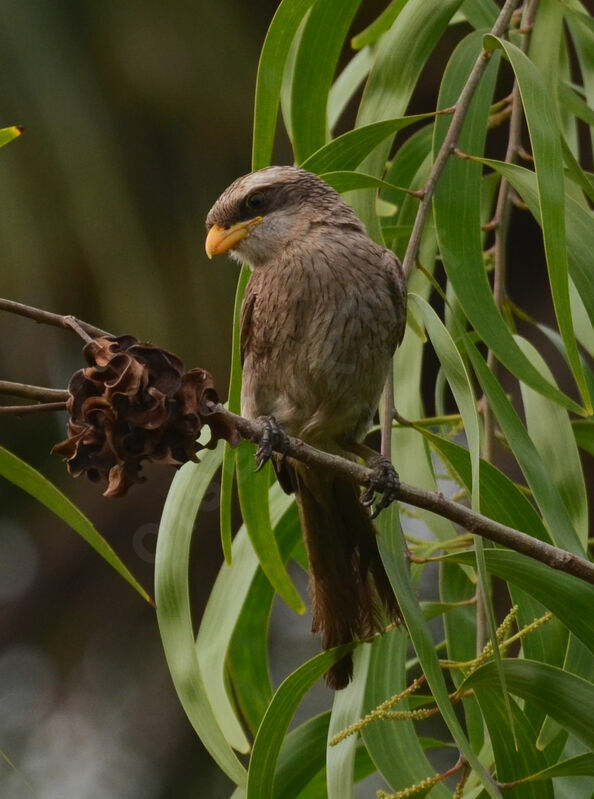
(273, 439)
(385, 480)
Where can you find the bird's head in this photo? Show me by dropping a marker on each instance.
(261, 214)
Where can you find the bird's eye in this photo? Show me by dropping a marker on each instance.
(255, 201)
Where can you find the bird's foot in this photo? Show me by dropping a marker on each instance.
(385, 482)
(273, 439)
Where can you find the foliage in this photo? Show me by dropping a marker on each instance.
(519, 718)
(524, 718)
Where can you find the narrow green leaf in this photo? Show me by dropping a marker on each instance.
(234, 406)
(379, 25)
(583, 430)
(457, 219)
(394, 745)
(30, 480)
(548, 164)
(8, 134)
(574, 103)
(580, 230)
(537, 476)
(550, 430)
(301, 756)
(322, 40)
(253, 498)
(513, 761)
(480, 13)
(275, 723)
(347, 151)
(247, 657)
(347, 83)
(403, 51)
(349, 181)
(568, 597)
(391, 546)
(501, 499)
(347, 708)
(578, 766)
(271, 66)
(174, 612)
(563, 696)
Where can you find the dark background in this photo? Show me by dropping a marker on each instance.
(136, 116)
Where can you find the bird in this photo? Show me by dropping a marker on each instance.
(323, 313)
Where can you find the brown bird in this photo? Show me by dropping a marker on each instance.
(323, 312)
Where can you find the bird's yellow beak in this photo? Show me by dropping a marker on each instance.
(221, 239)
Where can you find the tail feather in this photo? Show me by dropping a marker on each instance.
(350, 591)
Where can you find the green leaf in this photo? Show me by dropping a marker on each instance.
(247, 658)
(347, 708)
(580, 230)
(583, 429)
(379, 25)
(253, 498)
(8, 134)
(233, 404)
(394, 745)
(173, 607)
(457, 219)
(501, 499)
(319, 49)
(548, 163)
(403, 51)
(349, 181)
(301, 756)
(563, 696)
(513, 761)
(347, 151)
(275, 723)
(30, 480)
(550, 430)
(537, 476)
(271, 66)
(578, 766)
(480, 13)
(391, 545)
(566, 596)
(347, 83)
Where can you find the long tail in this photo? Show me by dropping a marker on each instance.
(350, 590)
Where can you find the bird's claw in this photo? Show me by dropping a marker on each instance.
(273, 438)
(385, 482)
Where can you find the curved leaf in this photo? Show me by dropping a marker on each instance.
(275, 723)
(8, 134)
(563, 696)
(457, 219)
(568, 597)
(271, 66)
(319, 49)
(347, 151)
(30, 480)
(548, 164)
(173, 607)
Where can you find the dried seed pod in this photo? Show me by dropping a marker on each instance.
(133, 402)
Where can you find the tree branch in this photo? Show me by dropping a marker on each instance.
(451, 140)
(48, 318)
(435, 502)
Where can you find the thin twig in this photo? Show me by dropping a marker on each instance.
(48, 318)
(26, 410)
(474, 522)
(451, 139)
(33, 392)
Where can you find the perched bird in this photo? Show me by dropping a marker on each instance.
(323, 312)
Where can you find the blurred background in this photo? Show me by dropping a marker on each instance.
(136, 116)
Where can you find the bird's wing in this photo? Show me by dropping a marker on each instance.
(247, 309)
(397, 285)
